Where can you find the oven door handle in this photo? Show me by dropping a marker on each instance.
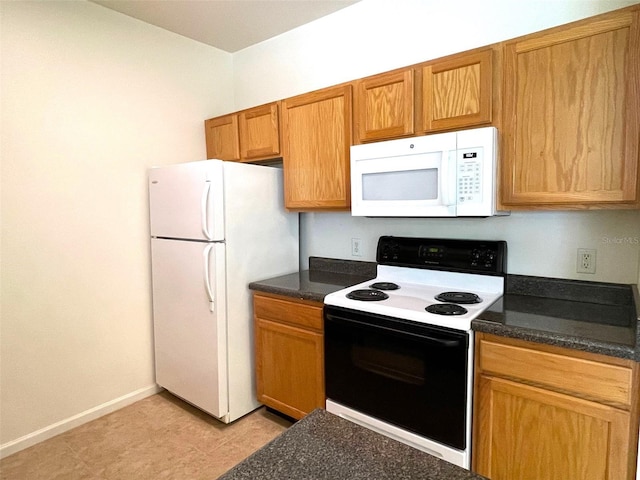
(438, 341)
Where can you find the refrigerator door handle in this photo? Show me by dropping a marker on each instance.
(207, 277)
(204, 209)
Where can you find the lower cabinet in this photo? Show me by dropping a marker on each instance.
(289, 347)
(553, 413)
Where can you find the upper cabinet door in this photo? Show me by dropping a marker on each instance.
(457, 92)
(383, 106)
(571, 115)
(221, 134)
(316, 135)
(247, 136)
(259, 132)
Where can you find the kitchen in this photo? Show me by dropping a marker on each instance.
(103, 112)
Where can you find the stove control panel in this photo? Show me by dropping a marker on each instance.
(469, 256)
(483, 257)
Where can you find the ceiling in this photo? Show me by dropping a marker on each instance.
(229, 25)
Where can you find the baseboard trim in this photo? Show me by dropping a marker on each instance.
(57, 428)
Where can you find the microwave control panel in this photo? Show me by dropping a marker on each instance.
(469, 175)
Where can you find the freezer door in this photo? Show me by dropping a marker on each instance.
(186, 201)
(189, 313)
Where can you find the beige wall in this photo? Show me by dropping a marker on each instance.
(373, 36)
(90, 99)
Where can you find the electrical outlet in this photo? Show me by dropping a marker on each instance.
(586, 260)
(356, 247)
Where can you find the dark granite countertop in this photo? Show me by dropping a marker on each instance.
(325, 275)
(590, 316)
(325, 446)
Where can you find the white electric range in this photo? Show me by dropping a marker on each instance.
(399, 348)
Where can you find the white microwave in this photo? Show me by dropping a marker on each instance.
(442, 175)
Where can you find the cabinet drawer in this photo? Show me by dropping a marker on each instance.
(576, 375)
(299, 313)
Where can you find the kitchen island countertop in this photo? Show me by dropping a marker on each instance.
(325, 446)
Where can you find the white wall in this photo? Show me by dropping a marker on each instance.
(540, 243)
(90, 99)
(374, 36)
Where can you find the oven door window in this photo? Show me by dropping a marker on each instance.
(406, 374)
(402, 365)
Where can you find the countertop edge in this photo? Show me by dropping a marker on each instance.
(556, 339)
(286, 292)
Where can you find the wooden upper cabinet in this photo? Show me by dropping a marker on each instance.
(247, 136)
(221, 134)
(259, 132)
(384, 106)
(456, 92)
(571, 115)
(316, 136)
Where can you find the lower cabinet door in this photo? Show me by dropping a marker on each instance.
(528, 433)
(289, 368)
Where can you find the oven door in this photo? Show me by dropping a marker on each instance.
(405, 373)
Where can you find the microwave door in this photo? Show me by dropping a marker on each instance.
(417, 185)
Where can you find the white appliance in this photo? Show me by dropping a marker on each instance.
(399, 348)
(442, 175)
(215, 227)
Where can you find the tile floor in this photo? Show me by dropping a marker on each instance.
(159, 437)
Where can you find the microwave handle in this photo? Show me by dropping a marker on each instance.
(450, 176)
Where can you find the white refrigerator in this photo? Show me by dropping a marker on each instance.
(215, 227)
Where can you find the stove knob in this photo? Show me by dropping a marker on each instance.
(390, 252)
(489, 258)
